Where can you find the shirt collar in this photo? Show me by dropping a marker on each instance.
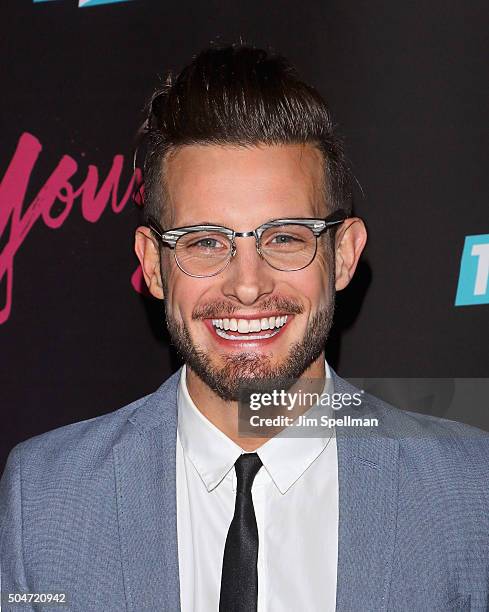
(213, 454)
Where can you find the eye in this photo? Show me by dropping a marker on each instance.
(204, 242)
(288, 238)
(207, 243)
(284, 239)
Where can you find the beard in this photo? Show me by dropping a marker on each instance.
(239, 371)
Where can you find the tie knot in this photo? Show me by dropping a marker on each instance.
(247, 466)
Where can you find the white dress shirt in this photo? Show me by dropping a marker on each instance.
(295, 496)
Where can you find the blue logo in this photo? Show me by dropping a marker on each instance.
(473, 282)
(85, 3)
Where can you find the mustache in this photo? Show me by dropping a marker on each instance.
(222, 309)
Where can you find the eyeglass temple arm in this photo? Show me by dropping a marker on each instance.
(156, 228)
(334, 219)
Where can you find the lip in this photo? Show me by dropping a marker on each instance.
(258, 315)
(247, 343)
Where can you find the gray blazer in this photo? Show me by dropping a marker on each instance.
(90, 510)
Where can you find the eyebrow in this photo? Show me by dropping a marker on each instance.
(227, 226)
(223, 225)
(202, 223)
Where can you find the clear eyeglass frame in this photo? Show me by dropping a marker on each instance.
(317, 227)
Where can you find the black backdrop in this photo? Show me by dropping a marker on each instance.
(407, 83)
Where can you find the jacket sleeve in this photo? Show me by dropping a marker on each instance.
(12, 574)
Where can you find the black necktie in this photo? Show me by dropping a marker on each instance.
(239, 581)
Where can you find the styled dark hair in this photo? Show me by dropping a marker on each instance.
(239, 95)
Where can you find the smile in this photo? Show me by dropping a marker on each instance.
(249, 329)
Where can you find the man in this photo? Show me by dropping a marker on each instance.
(166, 504)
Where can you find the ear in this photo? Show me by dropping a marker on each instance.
(147, 251)
(350, 241)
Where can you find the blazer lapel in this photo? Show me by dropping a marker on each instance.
(368, 497)
(145, 471)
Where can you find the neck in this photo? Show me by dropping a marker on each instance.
(224, 414)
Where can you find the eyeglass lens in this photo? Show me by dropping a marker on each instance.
(287, 247)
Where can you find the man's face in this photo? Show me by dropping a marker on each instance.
(242, 188)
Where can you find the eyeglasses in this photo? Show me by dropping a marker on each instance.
(285, 244)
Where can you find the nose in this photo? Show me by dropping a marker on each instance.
(247, 278)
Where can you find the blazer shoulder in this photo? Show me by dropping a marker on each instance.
(425, 438)
(104, 426)
(85, 445)
(406, 423)
(399, 421)
(437, 447)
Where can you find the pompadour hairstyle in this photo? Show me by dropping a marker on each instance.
(239, 95)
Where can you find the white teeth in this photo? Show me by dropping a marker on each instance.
(245, 326)
(255, 325)
(227, 336)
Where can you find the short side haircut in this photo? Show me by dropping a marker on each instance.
(244, 96)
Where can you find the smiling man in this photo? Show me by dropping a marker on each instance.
(166, 504)
(238, 309)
